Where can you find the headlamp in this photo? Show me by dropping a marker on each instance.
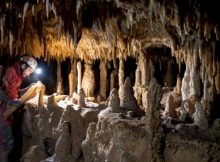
(38, 71)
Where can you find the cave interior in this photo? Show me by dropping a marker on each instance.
(125, 80)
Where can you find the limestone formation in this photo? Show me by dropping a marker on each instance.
(63, 146)
(178, 85)
(59, 78)
(144, 70)
(103, 79)
(121, 76)
(88, 81)
(194, 82)
(168, 78)
(127, 99)
(34, 154)
(113, 79)
(169, 107)
(81, 99)
(189, 107)
(114, 138)
(79, 72)
(114, 101)
(185, 89)
(164, 38)
(72, 78)
(199, 117)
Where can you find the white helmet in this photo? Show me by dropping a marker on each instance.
(30, 61)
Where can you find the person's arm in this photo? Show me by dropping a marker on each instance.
(22, 91)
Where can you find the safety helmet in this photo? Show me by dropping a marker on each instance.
(30, 61)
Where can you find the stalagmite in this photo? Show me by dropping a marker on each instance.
(169, 108)
(88, 81)
(199, 117)
(127, 99)
(63, 146)
(121, 76)
(51, 101)
(59, 78)
(79, 72)
(72, 78)
(178, 85)
(152, 120)
(81, 99)
(114, 101)
(103, 79)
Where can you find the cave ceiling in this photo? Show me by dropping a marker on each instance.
(107, 29)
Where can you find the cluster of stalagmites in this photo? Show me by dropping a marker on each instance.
(184, 106)
(55, 126)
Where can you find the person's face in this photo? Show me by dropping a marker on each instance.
(27, 72)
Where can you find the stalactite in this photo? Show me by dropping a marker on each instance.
(121, 75)
(103, 79)
(11, 39)
(59, 27)
(79, 72)
(32, 10)
(78, 7)
(59, 78)
(75, 30)
(47, 7)
(25, 10)
(53, 9)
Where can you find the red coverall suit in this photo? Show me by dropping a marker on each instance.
(13, 76)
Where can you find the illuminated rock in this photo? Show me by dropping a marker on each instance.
(114, 101)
